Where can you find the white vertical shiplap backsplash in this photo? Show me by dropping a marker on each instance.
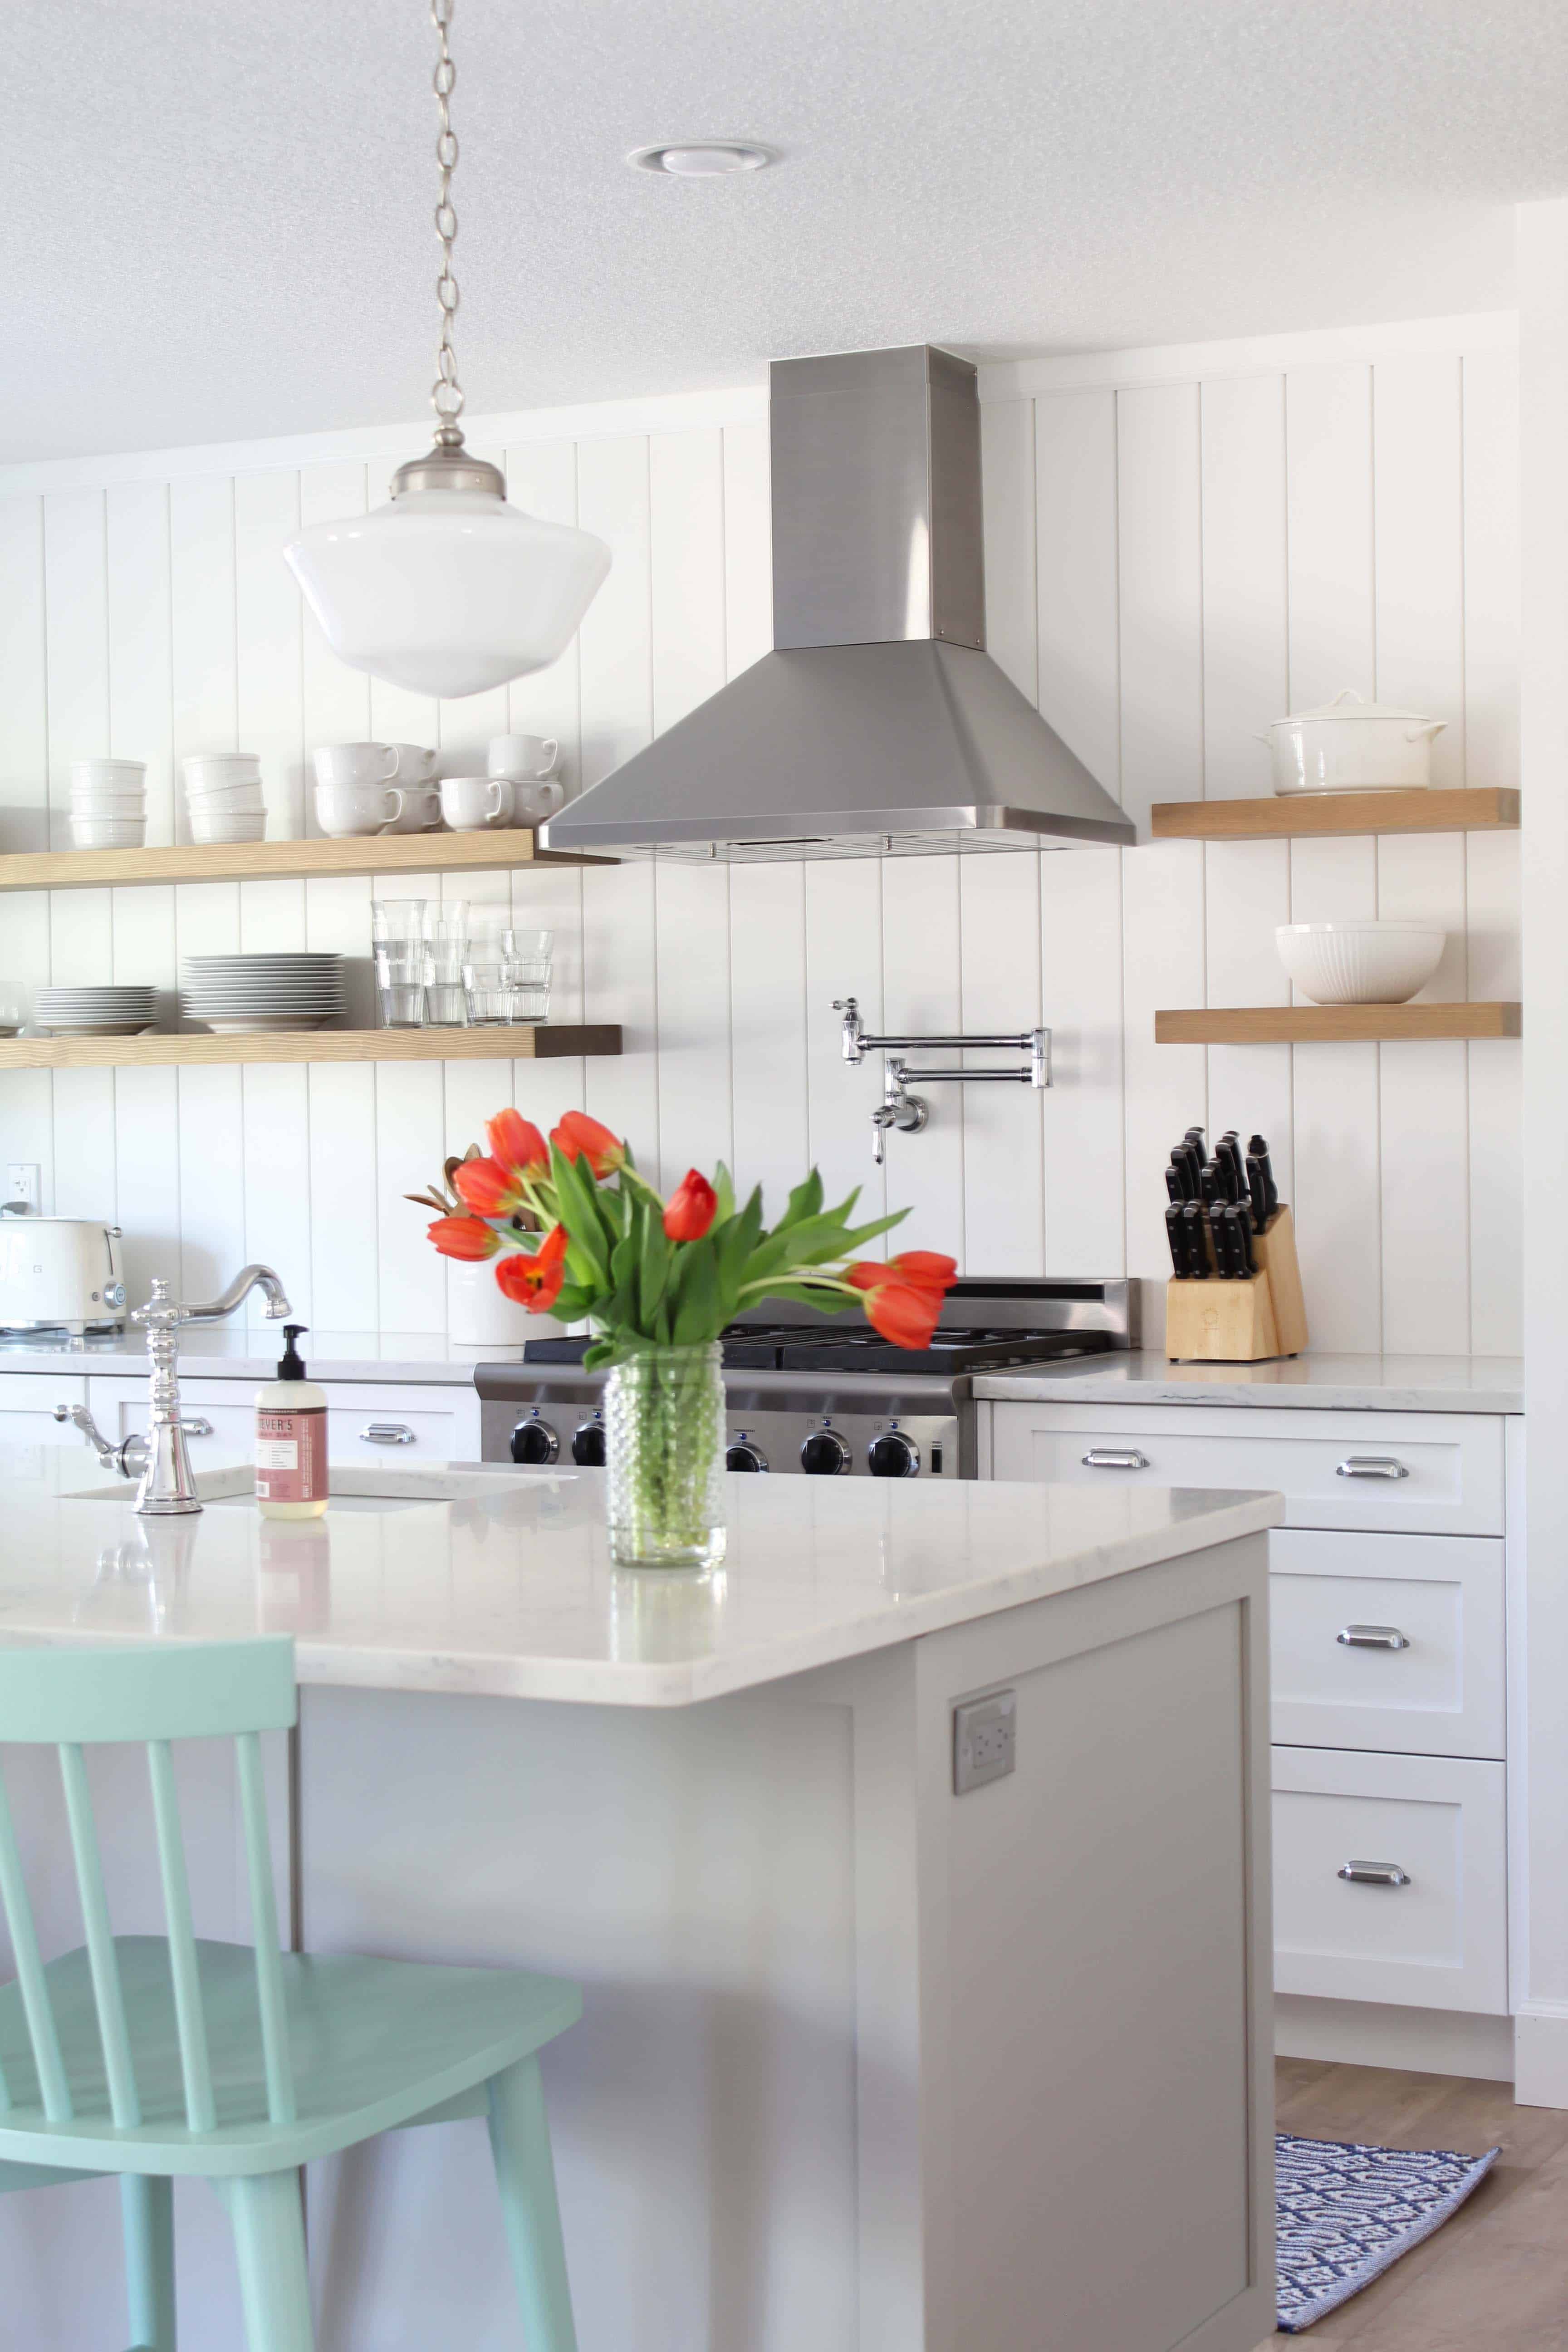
(1171, 564)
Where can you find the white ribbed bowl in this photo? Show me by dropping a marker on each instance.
(1360, 964)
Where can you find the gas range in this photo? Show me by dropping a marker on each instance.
(821, 1397)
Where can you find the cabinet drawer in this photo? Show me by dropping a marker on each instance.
(438, 1425)
(1418, 1473)
(1439, 1597)
(1437, 1941)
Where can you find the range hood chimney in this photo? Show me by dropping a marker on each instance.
(879, 725)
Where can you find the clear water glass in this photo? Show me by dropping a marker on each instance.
(397, 920)
(664, 1424)
(446, 923)
(400, 984)
(446, 1003)
(528, 1001)
(527, 947)
(489, 995)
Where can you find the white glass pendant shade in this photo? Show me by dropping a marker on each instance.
(447, 591)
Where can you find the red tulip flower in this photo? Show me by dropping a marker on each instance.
(488, 1189)
(535, 1282)
(580, 1137)
(903, 1298)
(516, 1142)
(692, 1210)
(464, 1237)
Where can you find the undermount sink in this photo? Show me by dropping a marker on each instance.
(367, 1486)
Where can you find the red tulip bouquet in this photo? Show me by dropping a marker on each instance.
(574, 1231)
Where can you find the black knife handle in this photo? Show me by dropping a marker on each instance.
(1258, 1188)
(1176, 1236)
(1174, 1186)
(1197, 1241)
(1242, 1230)
(1259, 1149)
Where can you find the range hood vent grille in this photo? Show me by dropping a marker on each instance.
(879, 726)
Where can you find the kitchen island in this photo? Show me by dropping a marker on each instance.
(866, 2064)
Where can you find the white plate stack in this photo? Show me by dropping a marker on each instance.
(243, 993)
(223, 795)
(94, 1011)
(109, 804)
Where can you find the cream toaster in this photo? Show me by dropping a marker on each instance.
(60, 1273)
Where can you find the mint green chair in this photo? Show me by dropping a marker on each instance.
(155, 2057)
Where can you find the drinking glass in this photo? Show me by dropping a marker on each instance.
(397, 920)
(489, 995)
(447, 922)
(400, 984)
(527, 947)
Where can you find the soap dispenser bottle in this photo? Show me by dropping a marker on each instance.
(291, 1440)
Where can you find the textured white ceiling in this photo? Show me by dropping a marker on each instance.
(215, 215)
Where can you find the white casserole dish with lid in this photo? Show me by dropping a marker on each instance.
(1351, 745)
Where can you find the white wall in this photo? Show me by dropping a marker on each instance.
(1180, 547)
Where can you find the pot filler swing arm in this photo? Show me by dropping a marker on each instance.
(909, 1113)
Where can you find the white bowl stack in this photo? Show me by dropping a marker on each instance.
(242, 993)
(94, 1011)
(109, 804)
(223, 796)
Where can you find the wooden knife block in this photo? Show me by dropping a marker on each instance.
(1242, 1322)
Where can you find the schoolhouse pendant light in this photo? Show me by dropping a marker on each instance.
(447, 590)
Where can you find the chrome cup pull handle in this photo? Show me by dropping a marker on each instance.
(1371, 1466)
(1372, 1637)
(387, 1433)
(1372, 1874)
(1115, 1457)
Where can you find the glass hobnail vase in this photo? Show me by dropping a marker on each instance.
(664, 1427)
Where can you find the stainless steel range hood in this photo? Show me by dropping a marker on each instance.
(880, 725)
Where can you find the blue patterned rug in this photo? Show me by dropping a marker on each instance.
(1347, 2212)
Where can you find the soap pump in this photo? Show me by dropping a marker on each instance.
(291, 1439)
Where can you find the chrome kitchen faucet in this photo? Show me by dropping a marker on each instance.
(168, 1486)
(909, 1113)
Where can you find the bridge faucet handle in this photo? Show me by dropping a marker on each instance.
(853, 1031)
(160, 1311)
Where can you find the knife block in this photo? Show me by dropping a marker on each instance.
(1245, 1322)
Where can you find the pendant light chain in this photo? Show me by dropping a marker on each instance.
(447, 394)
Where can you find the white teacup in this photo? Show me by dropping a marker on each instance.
(356, 764)
(469, 803)
(416, 764)
(535, 802)
(524, 759)
(421, 809)
(344, 809)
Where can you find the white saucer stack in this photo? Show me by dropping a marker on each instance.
(94, 1011)
(247, 993)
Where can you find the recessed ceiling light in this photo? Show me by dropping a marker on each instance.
(701, 159)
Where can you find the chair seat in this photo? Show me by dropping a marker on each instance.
(375, 2043)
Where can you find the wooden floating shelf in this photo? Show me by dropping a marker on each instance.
(1304, 817)
(545, 1042)
(280, 861)
(1333, 1024)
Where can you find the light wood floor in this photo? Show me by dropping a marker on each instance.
(1495, 2278)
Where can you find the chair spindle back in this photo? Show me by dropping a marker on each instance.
(71, 1698)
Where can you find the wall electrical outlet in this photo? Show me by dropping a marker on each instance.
(984, 1740)
(23, 1182)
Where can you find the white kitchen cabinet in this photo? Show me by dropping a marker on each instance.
(1432, 1932)
(1388, 1641)
(367, 1421)
(1418, 1473)
(27, 1402)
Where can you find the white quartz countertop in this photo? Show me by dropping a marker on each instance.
(506, 1586)
(231, 1351)
(1325, 1383)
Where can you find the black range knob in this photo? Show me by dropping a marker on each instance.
(534, 1441)
(824, 1454)
(893, 1455)
(745, 1453)
(588, 1445)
